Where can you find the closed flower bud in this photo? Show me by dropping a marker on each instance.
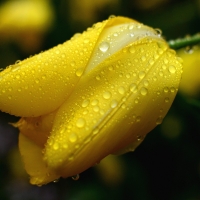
(97, 94)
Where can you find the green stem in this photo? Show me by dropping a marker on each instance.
(184, 42)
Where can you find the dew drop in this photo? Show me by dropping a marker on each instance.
(164, 66)
(56, 180)
(151, 61)
(146, 83)
(86, 40)
(111, 16)
(94, 102)
(139, 138)
(75, 177)
(159, 120)
(96, 108)
(17, 76)
(113, 103)
(172, 89)
(106, 95)
(166, 89)
(73, 63)
(79, 71)
(143, 91)
(37, 81)
(158, 32)
(44, 77)
(136, 101)
(65, 146)
(123, 105)
(189, 50)
(71, 158)
(96, 130)
(132, 49)
(121, 90)
(18, 61)
(130, 26)
(128, 75)
(138, 119)
(172, 69)
(166, 100)
(98, 77)
(72, 137)
(143, 58)
(133, 87)
(141, 74)
(80, 123)
(55, 146)
(85, 103)
(104, 46)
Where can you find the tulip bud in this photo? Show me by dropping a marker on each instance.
(99, 93)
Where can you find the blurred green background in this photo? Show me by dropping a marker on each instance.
(166, 165)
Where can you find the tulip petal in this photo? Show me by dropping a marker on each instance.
(40, 84)
(37, 129)
(117, 102)
(33, 160)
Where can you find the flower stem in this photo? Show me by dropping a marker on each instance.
(184, 42)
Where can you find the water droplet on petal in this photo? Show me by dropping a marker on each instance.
(86, 40)
(166, 100)
(132, 49)
(56, 180)
(85, 103)
(96, 108)
(17, 76)
(138, 119)
(172, 69)
(113, 103)
(159, 120)
(146, 83)
(121, 90)
(158, 32)
(55, 146)
(73, 63)
(189, 50)
(104, 46)
(140, 137)
(72, 137)
(133, 87)
(94, 102)
(76, 177)
(79, 71)
(98, 77)
(111, 16)
(143, 91)
(130, 26)
(141, 74)
(166, 89)
(172, 89)
(80, 123)
(37, 81)
(106, 95)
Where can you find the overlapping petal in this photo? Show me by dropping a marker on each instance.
(98, 94)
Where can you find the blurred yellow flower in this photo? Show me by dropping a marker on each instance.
(97, 94)
(25, 22)
(190, 82)
(87, 11)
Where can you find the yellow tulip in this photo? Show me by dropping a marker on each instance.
(97, 94)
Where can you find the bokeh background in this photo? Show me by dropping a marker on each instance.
(167, 164)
